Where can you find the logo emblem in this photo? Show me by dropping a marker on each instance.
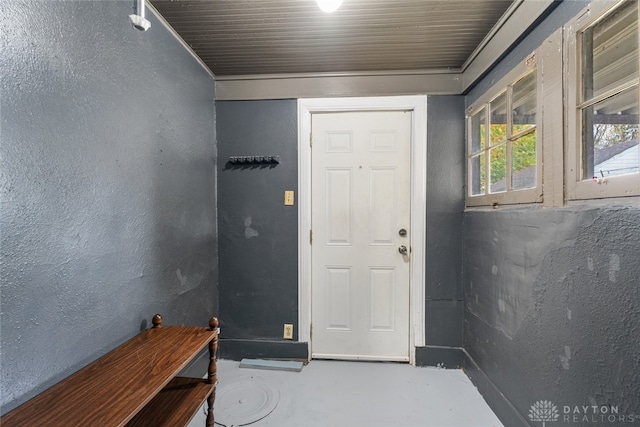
(545, 411)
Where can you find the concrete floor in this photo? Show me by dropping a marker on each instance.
(348, 394)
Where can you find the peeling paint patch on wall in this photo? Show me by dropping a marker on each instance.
(248, 231)
(614, 267)
(566, 357)
(507, 267)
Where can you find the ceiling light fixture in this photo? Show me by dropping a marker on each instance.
(329, 6)
(138, 20)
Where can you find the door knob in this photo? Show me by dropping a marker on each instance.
(402, 249)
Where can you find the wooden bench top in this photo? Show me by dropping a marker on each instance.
(111, 390)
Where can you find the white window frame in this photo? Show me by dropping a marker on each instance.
(510, 196)
(576, 187)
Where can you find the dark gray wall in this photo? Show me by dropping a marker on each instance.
(445, 195)
(258, 233)
(107, 183)
(552, 303)
(551, 294)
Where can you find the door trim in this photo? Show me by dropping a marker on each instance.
(418, 105)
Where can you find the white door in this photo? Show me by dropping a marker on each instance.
(360, 221)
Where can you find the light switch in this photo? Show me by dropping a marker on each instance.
(288, 198)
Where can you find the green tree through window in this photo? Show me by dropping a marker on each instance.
(503, 146)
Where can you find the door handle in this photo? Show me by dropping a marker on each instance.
(402, 249)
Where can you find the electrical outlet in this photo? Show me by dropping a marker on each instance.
(288, 331)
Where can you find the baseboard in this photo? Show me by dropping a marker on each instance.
(238, 349)
(499, 404)
(440, 356)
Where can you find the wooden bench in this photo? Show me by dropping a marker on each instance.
(136, 384)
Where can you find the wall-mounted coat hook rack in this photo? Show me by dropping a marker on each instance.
(254, 160)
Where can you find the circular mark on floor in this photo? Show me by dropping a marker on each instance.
(244, 401)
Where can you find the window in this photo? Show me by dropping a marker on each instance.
(603, 153)
(504, 152)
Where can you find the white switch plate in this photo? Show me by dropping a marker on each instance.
(288, 198)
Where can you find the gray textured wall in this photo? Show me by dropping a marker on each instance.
(552, 303)
(258, 234)
(108, 187)
(445, 203)
(551, 294)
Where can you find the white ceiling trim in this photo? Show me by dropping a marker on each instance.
(522, 16)
(339, 74)
(338, 86)
(490, 35)
(169, 28)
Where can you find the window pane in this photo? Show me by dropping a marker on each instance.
(523, 165)
(523, 109)
(610, 51)
(498, 119)
(610, 136)
(498, 165)
(478, 182)
(478, 131)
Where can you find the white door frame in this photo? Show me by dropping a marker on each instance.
(418, 105)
